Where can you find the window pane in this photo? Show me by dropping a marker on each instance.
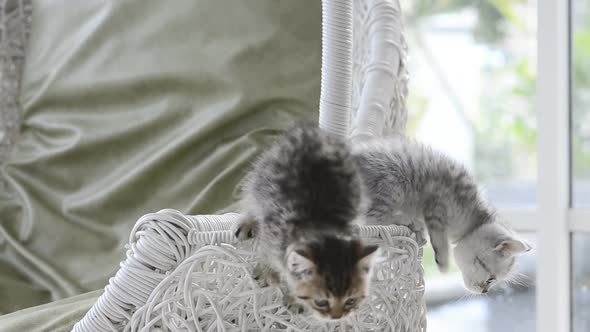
(508, 307)
(472, 89)
(581, 282)
(581, 102)
(472, 92)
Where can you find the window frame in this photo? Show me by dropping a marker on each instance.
(554, 219)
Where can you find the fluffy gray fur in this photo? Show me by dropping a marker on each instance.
(410, 184)
(300, 201)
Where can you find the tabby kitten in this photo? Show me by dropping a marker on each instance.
(300, 201)
(412, 185)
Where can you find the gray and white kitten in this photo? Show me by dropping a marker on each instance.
(410, 184)
(300, 201)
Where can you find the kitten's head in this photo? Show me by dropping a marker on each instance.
(487, 255)
(330, 275)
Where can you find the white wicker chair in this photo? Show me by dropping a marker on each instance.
(188, 273)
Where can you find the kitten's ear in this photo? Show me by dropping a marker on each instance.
(299, 263)
(512, 247)
(368, 257)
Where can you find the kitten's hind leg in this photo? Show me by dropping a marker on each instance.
(245, 227)
(440, 243)
(417, 227)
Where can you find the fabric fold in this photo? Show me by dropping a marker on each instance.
(134, 106)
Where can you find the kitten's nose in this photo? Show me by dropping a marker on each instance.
(485, 290)
(336, 314)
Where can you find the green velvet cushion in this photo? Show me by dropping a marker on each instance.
(131, 106)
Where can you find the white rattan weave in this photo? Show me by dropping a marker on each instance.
(187, 273)
(380, 75)
(364, 72)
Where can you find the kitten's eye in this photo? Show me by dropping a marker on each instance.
(321, 303)
(490, 280)
(350, 302)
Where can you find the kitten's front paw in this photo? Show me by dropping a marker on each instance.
(442, 263)
(245, 229)
(293, 307)
(265, 276)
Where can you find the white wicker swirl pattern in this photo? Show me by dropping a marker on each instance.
(380, 75)
(336, 84)
(364, 69)
(187, 273)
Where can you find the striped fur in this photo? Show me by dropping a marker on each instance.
(410, 184)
